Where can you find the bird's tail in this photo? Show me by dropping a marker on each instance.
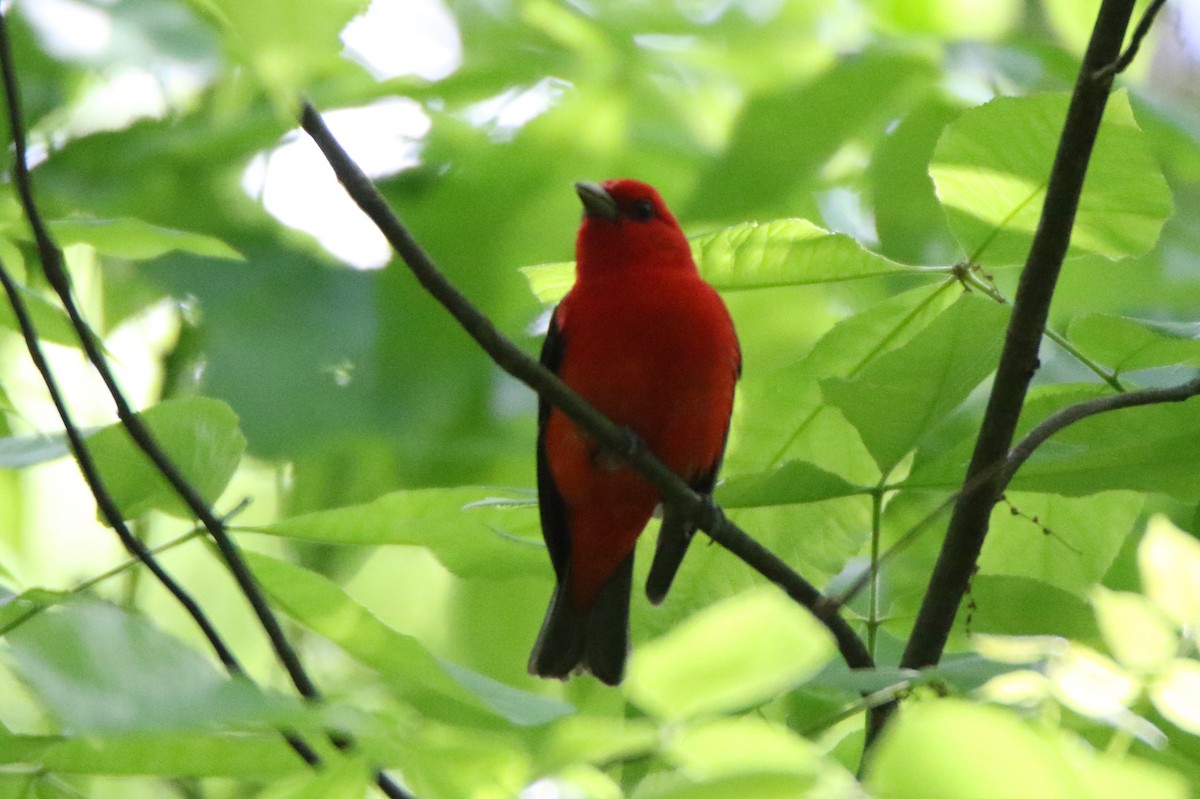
(673, 539)
(596, 640)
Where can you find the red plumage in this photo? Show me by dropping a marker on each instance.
(651, 345)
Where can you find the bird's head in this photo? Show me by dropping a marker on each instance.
(627, 225)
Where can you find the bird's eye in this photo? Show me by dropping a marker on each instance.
(642, 211)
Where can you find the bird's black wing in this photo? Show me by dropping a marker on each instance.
(550, 503)
(676, 533)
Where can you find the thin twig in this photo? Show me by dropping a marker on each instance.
(56, 274)
(1135, 43)
(707, 516)
(52, 263)
(1072, 414)
(91, 475)
(1017, 457)
(108, 506)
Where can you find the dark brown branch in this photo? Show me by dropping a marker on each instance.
(1135, 43)
(1072, 414)
(1016, 458)
(108, 506)
(707, 516)
(56, 274)
(91, 475)
(52, 263)
(1019, 359)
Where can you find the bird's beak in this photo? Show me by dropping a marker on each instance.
(596, 201)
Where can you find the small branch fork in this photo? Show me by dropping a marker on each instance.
(990, 465)
(57, 276)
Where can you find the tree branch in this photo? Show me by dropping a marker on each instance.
(1139, 33)
(707, 516)
(1072, 414)
(1019, 361)
(56, 274)
(108, 506)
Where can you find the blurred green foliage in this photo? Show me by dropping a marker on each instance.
(861, 178)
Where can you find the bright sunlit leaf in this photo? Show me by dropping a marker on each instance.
(755, 255)
(902, 395)
(1136, 633)
(737, 653)
(1091, 684)
(950, 748)
(1169, 562)
(993, 183)
(1176, 694)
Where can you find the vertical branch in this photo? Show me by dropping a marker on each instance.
(1019, 359)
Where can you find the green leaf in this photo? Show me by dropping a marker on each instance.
(101, 670)
(199, 434)
(1136, 632)
(49, 320)
(1042, 610)
(754, 255)
(725, 746)
(1066, 542)
(1127, 344)
(765, 784)
(909, 220)
(288, 46)
(137, 240)
(782, 415)
(436, 685)
(785, 252)
(993, 183)
(737, 653)
(16, 609)
(468, 538)
(162, 753)
(12, 260)
(759, 171)
(950, 19)
(343, 778)
(904, 394)
(1176, 694)
(1169, 563)
(1150, 448)
(792, 483)
(19, 451)
(969, 751)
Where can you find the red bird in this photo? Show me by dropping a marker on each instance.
(645, 340)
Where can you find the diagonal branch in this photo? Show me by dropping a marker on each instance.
(707, 516)
(52, 263)
(56, 274)
(1074, 413)
(108, 506)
